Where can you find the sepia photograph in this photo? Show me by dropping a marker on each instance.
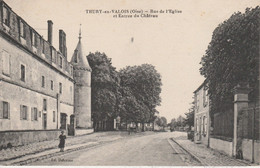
(129, 83)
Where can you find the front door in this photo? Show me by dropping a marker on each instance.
(44, 118)
(63, 121)
(71, 128)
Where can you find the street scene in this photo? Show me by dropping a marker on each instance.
(129, 83)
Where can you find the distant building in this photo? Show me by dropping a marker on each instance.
(201, 116)
(40, 91)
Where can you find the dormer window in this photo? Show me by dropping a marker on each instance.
(60, 61)
(34, 38)
(43, 47)
(6, 16)
(22, 29)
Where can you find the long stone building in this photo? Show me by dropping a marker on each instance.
(40, 91)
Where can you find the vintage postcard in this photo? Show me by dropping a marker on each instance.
(129, 83)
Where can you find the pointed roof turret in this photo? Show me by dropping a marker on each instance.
(79, 59)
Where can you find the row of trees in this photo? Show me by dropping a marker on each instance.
(131, 93)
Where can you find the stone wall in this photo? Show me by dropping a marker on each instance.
(17, 138)
(247, 150)
(221, 145)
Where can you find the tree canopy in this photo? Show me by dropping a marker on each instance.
(232, 57)
(140, 88)
(104, 86)
(132, 93)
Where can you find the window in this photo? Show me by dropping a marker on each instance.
(53, 116)
(60, 61)
(205, 121)
(40, 114)
(5, 110)
(43, 81)
(23, 112)
(23, 73)
(22, 29)
(43, 46)
(44, 104)
(51, 85)
(60, 84)
(197, 124)
(197, 101)
(6, 16)
(6, 62)
(205, 97)
(32, 38)
(34, 114)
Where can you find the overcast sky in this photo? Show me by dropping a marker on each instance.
(173, 43)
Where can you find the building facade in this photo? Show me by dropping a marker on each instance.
(201, 115)
(38, 90)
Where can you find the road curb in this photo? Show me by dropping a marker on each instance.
(190, 153)
(47, 156)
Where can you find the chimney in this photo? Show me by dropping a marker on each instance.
(62, 43)
(50, 27)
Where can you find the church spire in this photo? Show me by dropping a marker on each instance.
(79, 58)
(79, 31)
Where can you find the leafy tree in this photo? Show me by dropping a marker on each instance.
(141, 88)
(164, 122)
(189, 120)
(158, 121)
(104, 87)
(232, 57)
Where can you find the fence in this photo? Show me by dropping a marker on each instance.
(246, 121)
(224, 124)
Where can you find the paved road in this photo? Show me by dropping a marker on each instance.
(150, 150)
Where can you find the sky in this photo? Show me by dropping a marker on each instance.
(173, 43)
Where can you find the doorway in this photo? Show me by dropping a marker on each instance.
(44, 118)
(63, 121)
(71, 129)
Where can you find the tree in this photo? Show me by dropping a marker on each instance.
(164, 122)
(158, 121)
(140, 88)
(232, 58)
(104, 87)
(173, 123)
(189, 120)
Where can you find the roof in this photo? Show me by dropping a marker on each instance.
(79, 59)
(203, 84)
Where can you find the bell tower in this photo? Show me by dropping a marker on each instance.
(82, 87)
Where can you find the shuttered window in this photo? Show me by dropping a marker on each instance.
(23, 112)
(6, 16)
(22, 29)
(5, 62)
(4, 110)
(34, 114)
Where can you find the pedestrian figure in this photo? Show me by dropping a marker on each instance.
(62, 141)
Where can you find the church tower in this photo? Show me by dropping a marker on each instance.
(82, 87)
